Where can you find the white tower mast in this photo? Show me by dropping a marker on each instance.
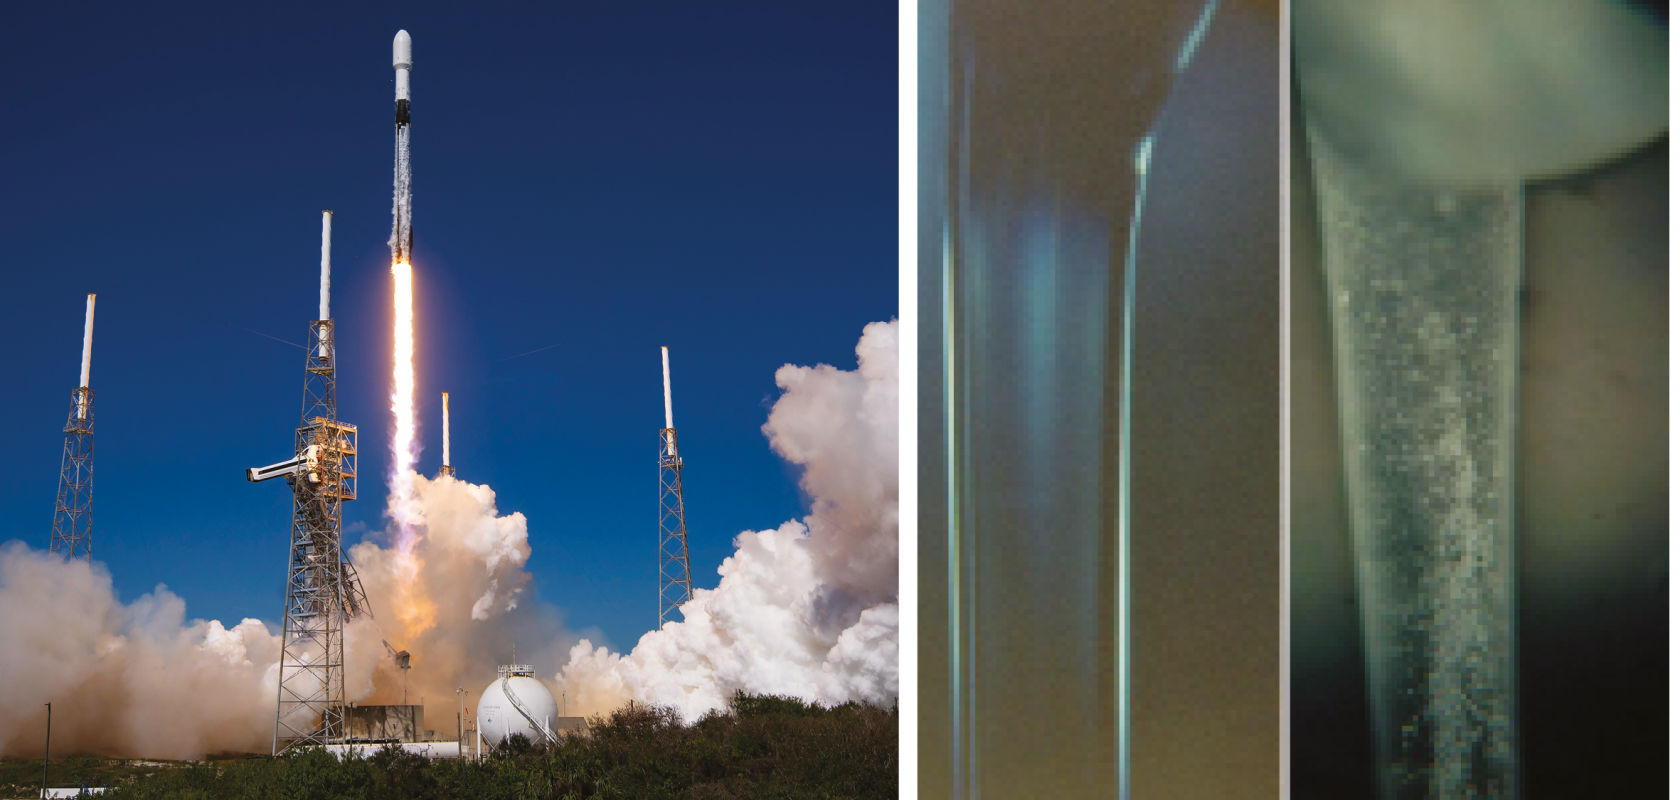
(675, 587)
(446, 469)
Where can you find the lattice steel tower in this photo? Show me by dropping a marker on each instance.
(322, 589)
(675, 588)
(72, 531)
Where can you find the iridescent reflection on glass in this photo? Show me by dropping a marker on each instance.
(1039, 153)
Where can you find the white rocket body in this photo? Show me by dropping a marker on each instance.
(402, 58)
(402, 201)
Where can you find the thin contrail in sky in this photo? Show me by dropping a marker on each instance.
(275, 338)
(538, 350)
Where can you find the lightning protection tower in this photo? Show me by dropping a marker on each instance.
(674, 585)
(322, 589)
(446, 469)
(72, 531)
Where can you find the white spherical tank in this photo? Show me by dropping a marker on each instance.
(530, 711)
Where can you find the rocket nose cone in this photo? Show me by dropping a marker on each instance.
(402, 51)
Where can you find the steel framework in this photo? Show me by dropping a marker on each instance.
(72, 531)
(322, 589)
(675, 587)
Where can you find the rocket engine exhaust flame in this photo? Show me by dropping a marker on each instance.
(403, 453)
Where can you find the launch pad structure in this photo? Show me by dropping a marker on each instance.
(72, 531)
(322, 588)
(675, 586)
(319, 597)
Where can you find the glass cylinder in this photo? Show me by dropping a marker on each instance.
(1423, 284)
(1036, 154)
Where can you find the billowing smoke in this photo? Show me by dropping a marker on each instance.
(808, 609)
(139, 680)
(454, 597)
(133, 680)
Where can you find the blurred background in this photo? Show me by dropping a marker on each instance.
(1205, 558)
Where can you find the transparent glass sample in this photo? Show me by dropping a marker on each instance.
(1033, 162)
(1423, 285)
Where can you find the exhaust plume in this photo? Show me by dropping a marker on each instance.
(401, 506)
(455, 596)
(134, 680)
(141, 681)
(810, 608)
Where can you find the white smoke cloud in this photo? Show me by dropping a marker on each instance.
(139, 680)
(453, 595)
(134, 680)
(808, 609)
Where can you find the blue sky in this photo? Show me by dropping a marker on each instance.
(606, 177)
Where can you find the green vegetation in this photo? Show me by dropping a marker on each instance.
(762, 747)
(21, 777)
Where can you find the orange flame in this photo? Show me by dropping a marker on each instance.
(402, 400)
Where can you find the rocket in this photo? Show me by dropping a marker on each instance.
(402, 204)
(402, 60)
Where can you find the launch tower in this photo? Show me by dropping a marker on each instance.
(675, 587)
(72, 531)
(322, 589)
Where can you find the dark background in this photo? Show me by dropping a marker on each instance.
(1592, 499)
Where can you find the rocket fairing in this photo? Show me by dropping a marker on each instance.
(402, 59)
(402, 203)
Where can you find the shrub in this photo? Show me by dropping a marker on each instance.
(761, 747)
